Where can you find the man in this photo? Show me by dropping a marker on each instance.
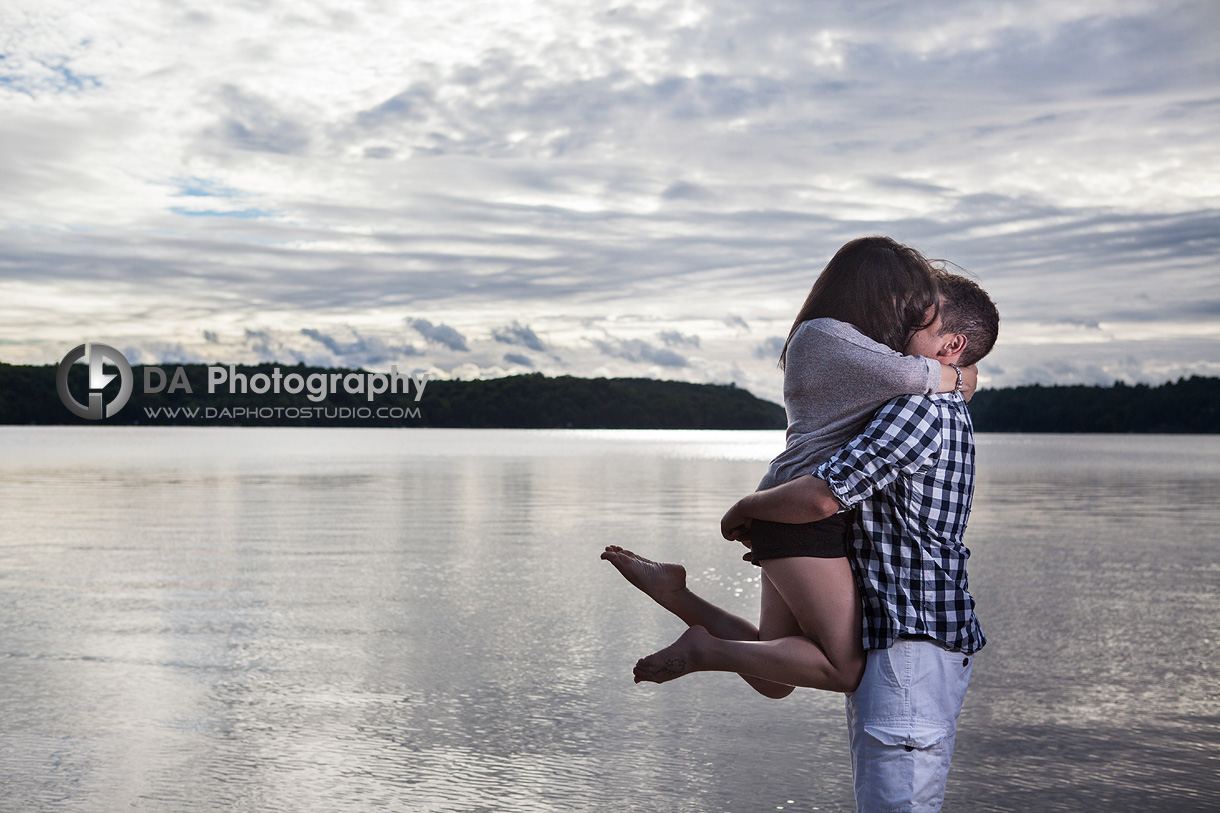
(910, 474)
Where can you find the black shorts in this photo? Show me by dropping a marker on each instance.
(825, 539)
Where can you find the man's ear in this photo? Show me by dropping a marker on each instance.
(954, 344)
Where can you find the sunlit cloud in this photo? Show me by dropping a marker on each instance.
(595, 189)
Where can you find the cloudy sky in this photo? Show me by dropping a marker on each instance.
(647, 189)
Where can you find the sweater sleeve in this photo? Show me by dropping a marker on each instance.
(843, 351)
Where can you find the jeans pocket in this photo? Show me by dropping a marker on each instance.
(895, 666)
(910, 734)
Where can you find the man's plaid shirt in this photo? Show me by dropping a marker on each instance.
(911, 473)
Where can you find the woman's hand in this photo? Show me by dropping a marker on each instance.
(970, 378)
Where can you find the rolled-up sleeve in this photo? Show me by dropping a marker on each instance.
(903, 437)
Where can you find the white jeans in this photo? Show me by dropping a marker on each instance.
(902, 721)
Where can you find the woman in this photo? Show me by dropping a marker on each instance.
(842, 360)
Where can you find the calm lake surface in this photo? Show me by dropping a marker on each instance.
(361, 619)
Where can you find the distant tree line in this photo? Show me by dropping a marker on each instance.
(28, 396)
(535, 401)
(1187, 406)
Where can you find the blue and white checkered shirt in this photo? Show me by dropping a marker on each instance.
(911, 474)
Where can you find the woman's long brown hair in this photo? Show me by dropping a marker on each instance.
(880, 286)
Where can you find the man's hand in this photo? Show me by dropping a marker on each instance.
(805, 499)
(735, 525)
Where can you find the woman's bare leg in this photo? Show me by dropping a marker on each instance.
(775, 621)
(827, 654)
(822, 595)
(665, 583)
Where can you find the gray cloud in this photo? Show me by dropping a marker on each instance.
(443, 335)
(362, 350)
(518, 359)
(733, 320)
(674, 338)
(770, 348)
(637, 350)
(908, 185)
(517, 333)
(261, 342)
(249, 122)
(160, 353)
(407, 106)
(1099, 261)
(701, 156)
(756, 61)
(1088, 324)
(681, 190)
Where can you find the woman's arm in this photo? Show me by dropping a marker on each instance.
(948, 380)
(863, 374)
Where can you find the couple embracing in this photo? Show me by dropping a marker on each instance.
(857, 525)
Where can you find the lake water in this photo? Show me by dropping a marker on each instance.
(364, 619)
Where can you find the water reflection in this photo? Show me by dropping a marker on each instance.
(341, 619)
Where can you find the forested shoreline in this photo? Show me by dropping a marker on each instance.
(1186, 406)
(28, 396)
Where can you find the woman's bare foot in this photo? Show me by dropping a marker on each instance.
(657, 580)
(679, 658)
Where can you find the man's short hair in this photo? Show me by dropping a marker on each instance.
(965, 308)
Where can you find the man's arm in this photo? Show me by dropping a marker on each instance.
(805, 499)
(903, 437)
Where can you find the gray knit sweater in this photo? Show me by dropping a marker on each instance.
(835, 379)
